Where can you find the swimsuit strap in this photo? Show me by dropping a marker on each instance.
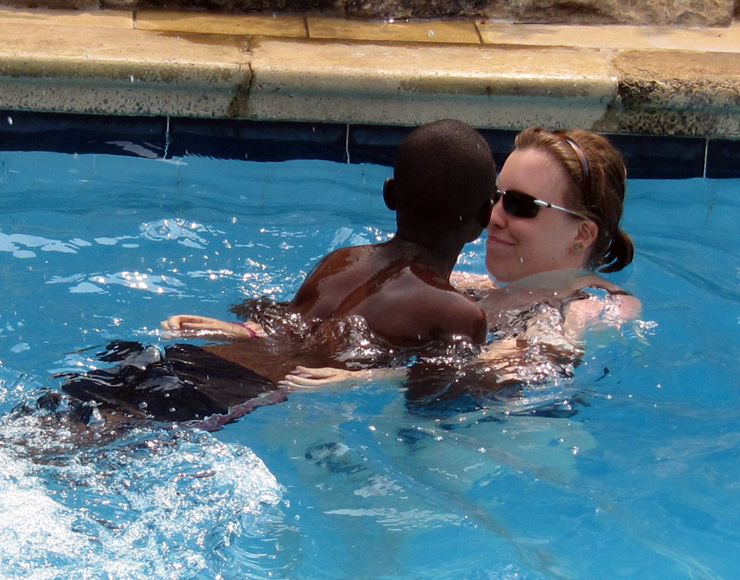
(584, 294)
(251, 331)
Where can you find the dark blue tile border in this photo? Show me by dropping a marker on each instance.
(375, 143)
(653, 157)
(723, 159)
(647, 156)
(257, 140)
(25, 131)
(501, 143)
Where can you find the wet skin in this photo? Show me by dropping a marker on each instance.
(404, 300)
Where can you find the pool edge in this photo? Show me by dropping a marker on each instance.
(613, 79)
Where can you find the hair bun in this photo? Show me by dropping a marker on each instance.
(620, 253)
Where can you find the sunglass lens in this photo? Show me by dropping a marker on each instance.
(520, 204)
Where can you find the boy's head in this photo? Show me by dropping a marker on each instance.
(444, 177)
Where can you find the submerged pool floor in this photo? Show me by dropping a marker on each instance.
(492, 74)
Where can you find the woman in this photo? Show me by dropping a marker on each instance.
(554, 226)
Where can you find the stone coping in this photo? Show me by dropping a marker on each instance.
(493, 74)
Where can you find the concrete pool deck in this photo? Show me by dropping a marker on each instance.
(492, 74)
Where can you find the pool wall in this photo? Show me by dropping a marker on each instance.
(234, 85)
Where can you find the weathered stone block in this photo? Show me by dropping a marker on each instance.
(678, 93)
(411, 85)
(660, 12)
(399, 9)
(53, 4)
(332, 7)
(636, 12)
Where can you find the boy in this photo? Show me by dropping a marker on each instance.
(442, 189)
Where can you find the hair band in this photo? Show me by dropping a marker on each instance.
(585, 169)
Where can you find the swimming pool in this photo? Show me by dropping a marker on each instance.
(628, 471)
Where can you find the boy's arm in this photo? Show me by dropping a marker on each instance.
(478, 323)
(456, 315)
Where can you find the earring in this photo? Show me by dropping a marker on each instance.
(577, 247)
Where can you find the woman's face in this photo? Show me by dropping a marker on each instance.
(519, 247)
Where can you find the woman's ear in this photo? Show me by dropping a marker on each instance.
(587, 233)
(389, 193)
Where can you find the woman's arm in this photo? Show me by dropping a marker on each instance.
(183, 325)
(309, 378)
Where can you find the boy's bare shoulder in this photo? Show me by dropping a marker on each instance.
(431, 302)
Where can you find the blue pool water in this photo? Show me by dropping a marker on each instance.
(640, 481)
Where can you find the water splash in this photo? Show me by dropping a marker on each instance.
(168, 504)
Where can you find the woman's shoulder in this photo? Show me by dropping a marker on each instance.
(597, 301)
(474, 285)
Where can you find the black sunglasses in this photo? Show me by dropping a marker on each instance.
(523, 205)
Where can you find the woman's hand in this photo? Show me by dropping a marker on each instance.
(194, 325)
(307, 378)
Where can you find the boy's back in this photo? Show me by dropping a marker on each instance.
(403, 300)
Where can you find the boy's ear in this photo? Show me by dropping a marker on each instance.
(482, 219)
(389, 193)
(485, 214)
